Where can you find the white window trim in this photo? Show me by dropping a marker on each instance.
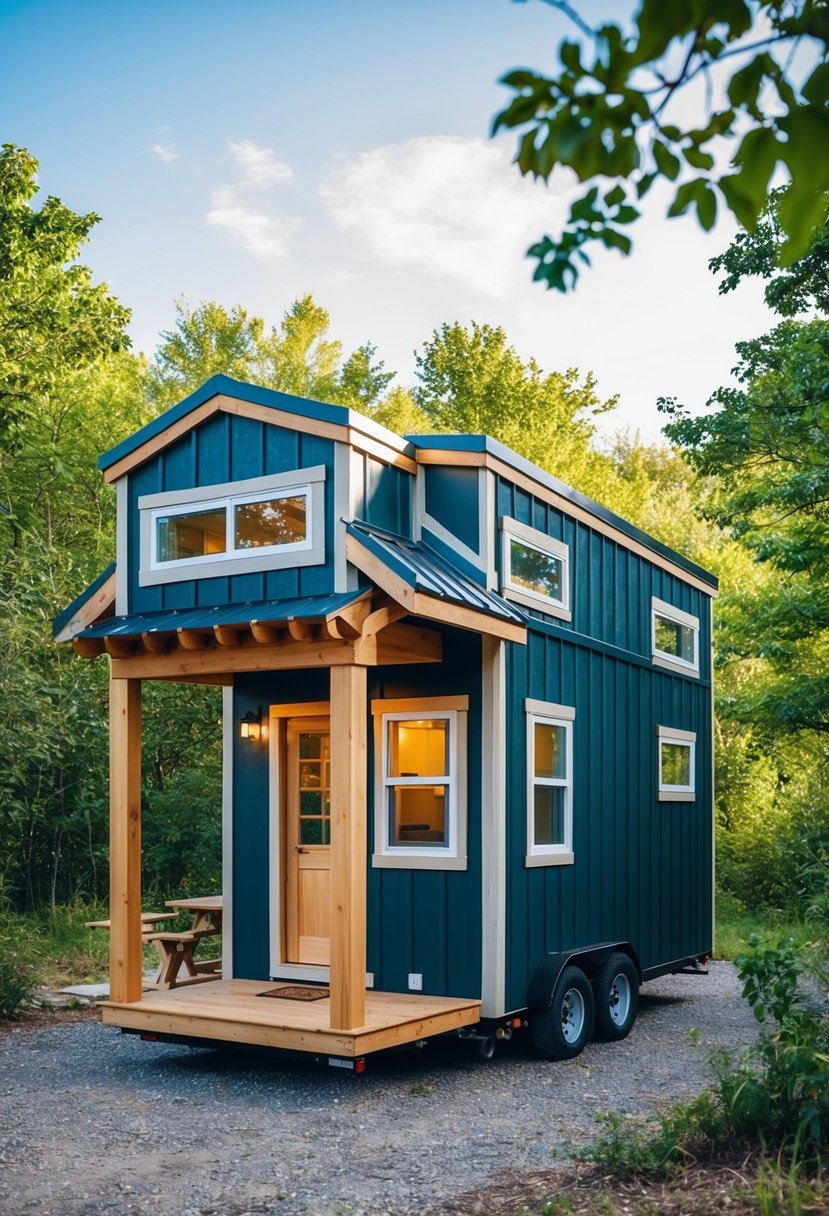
(553, 715)
(309, 552)
(676, 793)
(661, 658)
(452, 855)
(512, 529)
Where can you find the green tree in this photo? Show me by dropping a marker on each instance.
(297, 356)
(612, 112)
(768, 445)
(53, 318)
(471, 380)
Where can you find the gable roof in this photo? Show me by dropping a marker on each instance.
(235, 396)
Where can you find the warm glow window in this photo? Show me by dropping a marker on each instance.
(232, 526)
(262, 523)
(418, 790)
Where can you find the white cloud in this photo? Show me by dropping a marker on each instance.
(165, 152)
(445, 205)
(261, 168)
(261, 230)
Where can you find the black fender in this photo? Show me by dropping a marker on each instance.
(589, 958)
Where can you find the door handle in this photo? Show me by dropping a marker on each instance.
(300, 849)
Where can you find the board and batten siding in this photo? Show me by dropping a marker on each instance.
(429, 922)
(610, 587)
(228, 448)
(642, 868)
(417, 921)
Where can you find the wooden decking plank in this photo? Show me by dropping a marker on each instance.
(234, 1011)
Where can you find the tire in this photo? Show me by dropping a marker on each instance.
(564, 1029)
(617, 998)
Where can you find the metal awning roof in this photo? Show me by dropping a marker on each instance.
(269, 612)
(426, 573)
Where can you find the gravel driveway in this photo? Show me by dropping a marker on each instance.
(94, 1123)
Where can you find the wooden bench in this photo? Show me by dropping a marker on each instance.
(175, 950)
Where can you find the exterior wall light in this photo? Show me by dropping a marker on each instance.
(250, 725)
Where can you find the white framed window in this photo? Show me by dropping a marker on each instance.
(535, 569)
(420, 783)
(677, 764)
(549, 783)
(262, 523)
(674, 638)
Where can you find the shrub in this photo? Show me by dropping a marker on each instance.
(17, 984)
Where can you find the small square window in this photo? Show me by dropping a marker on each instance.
(677, 754)
(535, 569)
(674, 638)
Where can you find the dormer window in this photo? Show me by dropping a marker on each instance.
(259, 524)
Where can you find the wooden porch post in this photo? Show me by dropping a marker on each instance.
(125, 840)
(348, 847)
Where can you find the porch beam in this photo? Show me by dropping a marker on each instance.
(125, 840)
(348, 847)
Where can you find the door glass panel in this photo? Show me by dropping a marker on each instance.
(314, 788)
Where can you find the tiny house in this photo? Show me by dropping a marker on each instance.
(467, 727)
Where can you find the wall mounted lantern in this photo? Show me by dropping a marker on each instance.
(250, 725)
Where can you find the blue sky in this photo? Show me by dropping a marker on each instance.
(255, 151)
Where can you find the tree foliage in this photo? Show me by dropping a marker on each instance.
(470, 380)
(611, 113)
(53, 318)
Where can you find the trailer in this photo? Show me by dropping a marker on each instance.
(467, 723)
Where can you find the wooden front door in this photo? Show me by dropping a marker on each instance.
(308, 839)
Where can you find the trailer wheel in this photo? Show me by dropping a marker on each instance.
(617, 998)
(563, 1030)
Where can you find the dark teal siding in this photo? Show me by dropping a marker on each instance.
(452, 499)
(642, 869)
(224, 449)
(429, 921)
(422, 921)
(386, 500)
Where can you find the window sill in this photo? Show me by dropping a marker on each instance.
(416, 861)
(676, 796)
(548, 859)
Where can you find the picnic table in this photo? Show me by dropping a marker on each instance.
(175, 950)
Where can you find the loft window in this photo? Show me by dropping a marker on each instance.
(677, 750)
(259, 524)
(549, 783)
(420, 787)
(535, 569)
(674, 638)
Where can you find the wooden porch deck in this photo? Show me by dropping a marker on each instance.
(234, 1011)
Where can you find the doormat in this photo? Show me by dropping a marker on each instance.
(293, 993)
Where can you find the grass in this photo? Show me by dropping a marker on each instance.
(736, 924)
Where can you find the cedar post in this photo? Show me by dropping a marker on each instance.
(125, 840)
(348, 847)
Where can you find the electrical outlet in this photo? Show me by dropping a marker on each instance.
(415, 981)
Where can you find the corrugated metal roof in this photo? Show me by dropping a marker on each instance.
(422, 569)
(271, 612)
